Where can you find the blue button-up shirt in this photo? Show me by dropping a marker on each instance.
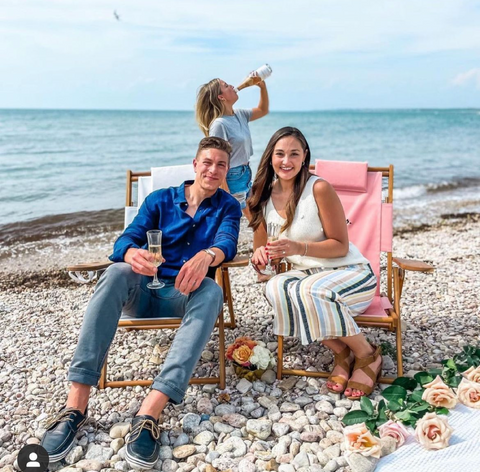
(215, 224)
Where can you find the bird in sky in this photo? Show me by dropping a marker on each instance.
(116, 15)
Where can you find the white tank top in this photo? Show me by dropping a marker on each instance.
(307, 227)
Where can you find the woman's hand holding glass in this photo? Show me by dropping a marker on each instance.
(284, 248)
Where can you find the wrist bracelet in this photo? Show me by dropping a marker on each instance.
(306, 249)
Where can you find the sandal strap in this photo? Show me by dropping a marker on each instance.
(362, 362)
(341, 359)
(338, 380)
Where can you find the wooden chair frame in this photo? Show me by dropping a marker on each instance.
(395, 273)
(222, 278)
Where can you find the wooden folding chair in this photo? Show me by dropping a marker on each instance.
(142, 183)
(370, 227)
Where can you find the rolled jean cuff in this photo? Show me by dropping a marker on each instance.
(86, 377)
(171, 391)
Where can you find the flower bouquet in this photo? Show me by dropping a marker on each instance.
(250, 360)
(419, 403)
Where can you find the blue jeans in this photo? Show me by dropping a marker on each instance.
(120, 289)
(239, 181)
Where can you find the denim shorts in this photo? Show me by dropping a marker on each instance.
(239, 181)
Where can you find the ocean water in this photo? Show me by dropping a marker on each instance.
(66, 162)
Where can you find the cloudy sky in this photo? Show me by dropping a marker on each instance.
(324, 53)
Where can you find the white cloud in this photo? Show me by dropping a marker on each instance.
(465, 78)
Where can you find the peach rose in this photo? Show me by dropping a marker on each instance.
(472, 374)
(395, 430)
(469, 393)
(242, 354)
(244, 340)
(438, 394)
(358, 438)
(433, 432)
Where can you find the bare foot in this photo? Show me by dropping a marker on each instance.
(340, 371)
(360, 376)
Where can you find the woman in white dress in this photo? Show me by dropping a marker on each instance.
(331, 282)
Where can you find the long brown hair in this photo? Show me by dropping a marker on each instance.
(208, 106)
(262, 185)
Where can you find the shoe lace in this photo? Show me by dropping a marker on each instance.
(144, 424)
(61, 416)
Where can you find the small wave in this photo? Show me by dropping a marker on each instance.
(415, 191)
(68, 225)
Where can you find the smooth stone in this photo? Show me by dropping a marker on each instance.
(117, 444)
(98, 453)
(243, 386)
(288, 407)
(121, 465)
(246, 466)
(322, 458)
(286, 468)
(324, 406)
(301, 460)
(165, 452)
(259, 428)
(280, 429)
(287, 384)
(389, 445)
(119, 430)
(169, 465)
(331, 466)
(257, 413)
(235, 419)
(86, 464)
(340, 411)
(224, 409)
(190, 422)
(359, 463)
(234, 445)
(204, 438)
(181, 452)
(74, 455)
(223, 428)
(259, 386)
(303, 401)
(205, 406)
(269, 377)
(181, 440)
(207, 355)
(332, 451)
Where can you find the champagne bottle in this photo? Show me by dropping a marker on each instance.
(261, 74)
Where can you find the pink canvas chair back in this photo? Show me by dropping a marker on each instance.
(369, 219)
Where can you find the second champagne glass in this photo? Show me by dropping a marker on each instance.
(154, 237)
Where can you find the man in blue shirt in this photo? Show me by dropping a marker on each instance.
(200, 225)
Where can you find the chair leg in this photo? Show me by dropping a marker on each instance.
(221, 350)
(228, 293)
(398, 335)
(280, 358)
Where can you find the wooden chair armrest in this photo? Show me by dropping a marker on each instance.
(411, 264)
(87, 266)
(239, 261)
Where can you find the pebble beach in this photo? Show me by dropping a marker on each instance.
(292, 425)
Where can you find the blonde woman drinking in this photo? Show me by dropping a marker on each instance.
(216, 117)
(331, 281)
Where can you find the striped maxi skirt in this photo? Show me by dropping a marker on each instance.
(320, 303)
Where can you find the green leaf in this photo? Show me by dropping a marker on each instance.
(450, 364)
(442, 411)
(435, 372)
(366, 405)
(423, 378)
(416, 396)
(422, 407)
(403, 415)
(395, 393)
(370, 424)
(454, 381)
(394, 406)
(406, 382)
(354, 417)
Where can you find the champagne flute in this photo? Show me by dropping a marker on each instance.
(273, 232)
(154, 237)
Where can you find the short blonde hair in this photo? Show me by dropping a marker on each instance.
(208, 106)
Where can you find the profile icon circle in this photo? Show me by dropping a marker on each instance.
(33, 458)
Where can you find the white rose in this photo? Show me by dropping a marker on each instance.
(261, 357)
(433, 432)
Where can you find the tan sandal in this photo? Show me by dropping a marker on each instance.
(363, 364)
(341, 359)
